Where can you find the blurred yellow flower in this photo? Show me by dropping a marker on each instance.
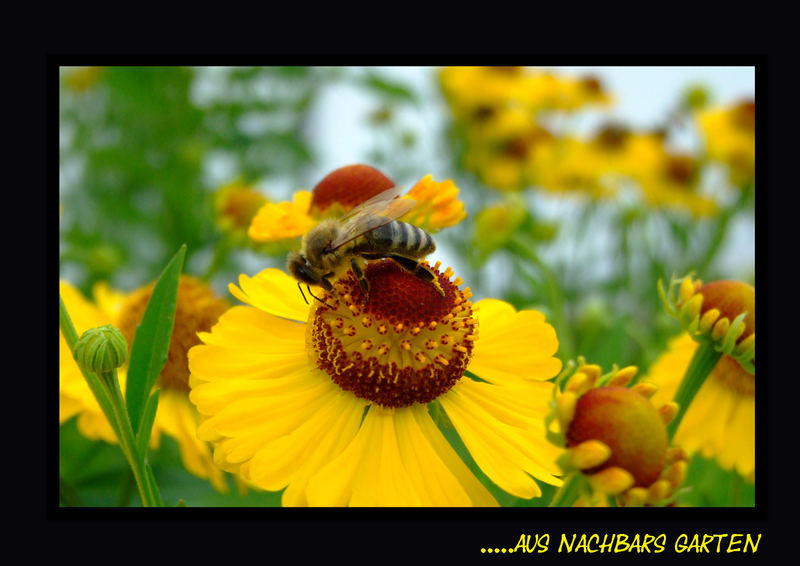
(472, 92)
(674, 184)
(235, 205)
(729, 137)
(197, 310)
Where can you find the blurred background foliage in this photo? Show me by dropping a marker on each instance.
(145, 151)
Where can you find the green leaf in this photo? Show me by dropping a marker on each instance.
(151, 343)
(146, 426)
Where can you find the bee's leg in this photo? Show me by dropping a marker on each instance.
(362, 280)
(419, 270)
(325, 285)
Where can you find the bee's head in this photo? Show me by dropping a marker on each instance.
(300, 269)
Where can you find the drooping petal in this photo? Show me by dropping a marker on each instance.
(291, 459)
(178, 419)
(504, 433)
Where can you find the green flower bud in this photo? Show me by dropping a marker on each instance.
(101, 349)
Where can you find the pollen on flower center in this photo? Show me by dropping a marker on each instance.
(406, 344)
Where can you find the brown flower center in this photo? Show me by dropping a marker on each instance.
(407, 344)
(197, 310)
(347, 187)
(731, 298)
(628, 424)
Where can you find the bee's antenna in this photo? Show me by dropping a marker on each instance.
(320, 300)
(301, 292)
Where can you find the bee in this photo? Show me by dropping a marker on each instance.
(369, 231)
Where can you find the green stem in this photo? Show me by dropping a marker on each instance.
(569, 492)
(107, 392)
(128, 440)
(703, 361)
(96, 386)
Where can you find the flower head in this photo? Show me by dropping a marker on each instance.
(674, 183)
(341, 190)
(616, 437)
(332, 402)
(236, 204)
(719, 312)
(729, 136)
(197, 309)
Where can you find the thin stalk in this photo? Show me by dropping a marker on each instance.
(105, 388)
(128, 441)
(703, 361)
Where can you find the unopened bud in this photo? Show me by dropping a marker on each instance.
(101, 349)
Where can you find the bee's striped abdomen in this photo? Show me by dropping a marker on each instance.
(398, 238)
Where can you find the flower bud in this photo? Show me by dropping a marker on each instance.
(101, 349)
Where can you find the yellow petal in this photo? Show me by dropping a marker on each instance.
(272, 291)
(478, 494)
(513, 346)
(507, 454)
(294, 457)
(178, 419)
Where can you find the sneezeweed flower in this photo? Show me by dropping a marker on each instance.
(504, 159)
(716, 387)
(615, 438)
(472, 92)
(331, 402)
(729, 137)
(341, 190)
(197, 309)
(235, 205)
(570, 165)
(719, 313)
(675, 184)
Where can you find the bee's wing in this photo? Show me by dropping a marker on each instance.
(371, 214)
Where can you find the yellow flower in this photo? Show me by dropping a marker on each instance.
(472, 92)
(341, 190)
(197, 309)
(616, 437)
(570, 165)
(674, 184)
(330, 402)
(729, 136)
(720, 422)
